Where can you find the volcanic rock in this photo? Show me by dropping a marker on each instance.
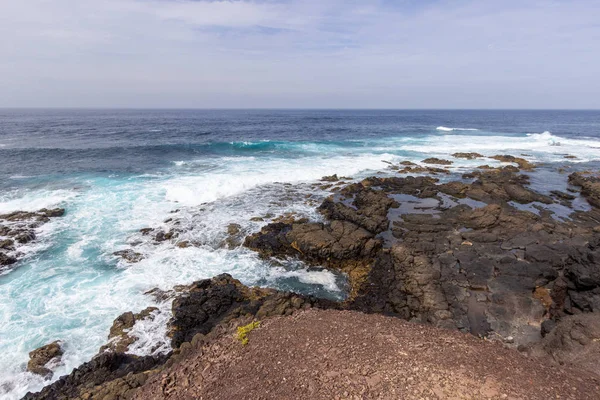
(521, 162)
(468, 156)
(129, 255)
(433, 160)
(590, 187)
(39, 358)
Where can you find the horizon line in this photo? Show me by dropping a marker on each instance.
(293, 109)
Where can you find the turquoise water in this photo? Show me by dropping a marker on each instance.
(117, 172)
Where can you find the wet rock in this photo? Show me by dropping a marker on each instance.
(109, 375)
(468, 156)
(562, 195)
(522, 195)
(235, 236)
(331, 178)
(433, 160)
(423, 170)
(233, 229)
(39, 358)
(456, 189)
(521, 162)
(42, 215)
(6, 259)
(160, 295)
(7, 244)
(341, 245)
(25, 237)
(590, 186)
(52, 213)
(119, 340)
(271, 240)
(129, 255)
(290, 218)
(18, 228)
(419, 186)
(340, 240)
(369, 210)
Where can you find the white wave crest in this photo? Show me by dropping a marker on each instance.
(151, 333)
(193, 190)
(542, 147)
(31, 201)
(446, 129)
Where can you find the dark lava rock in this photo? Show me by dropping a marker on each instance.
(331, 178)
(7, 244)
(235, 236)
(25, 237)
(160, 295)
(119, 339)
(590, 186)
(40, 357)
(468, 156)
(562, 195)
(19, 229)
(423, 170)
(574, 341)
(522, 195)
(52, 213)
(369, 210)
(547, 326)
(233, 229)
(109, 375)
(341, 245)
(433, 160)
(6, 259)
(42, 215)
(521, 162)
(129, 255)
(419, 186)
(215, 301)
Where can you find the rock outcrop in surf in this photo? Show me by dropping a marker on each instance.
(18, 229)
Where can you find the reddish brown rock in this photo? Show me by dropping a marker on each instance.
(39, 358)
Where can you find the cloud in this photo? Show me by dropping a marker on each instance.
(307, 53)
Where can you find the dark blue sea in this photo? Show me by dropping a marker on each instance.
(117, 171)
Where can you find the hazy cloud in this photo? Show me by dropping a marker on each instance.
(394, 54)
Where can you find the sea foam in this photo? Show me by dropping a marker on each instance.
(446, 129)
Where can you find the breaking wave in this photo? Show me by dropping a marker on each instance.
(446, 129)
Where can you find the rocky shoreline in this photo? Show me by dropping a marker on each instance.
(457, 254)
(18, 229)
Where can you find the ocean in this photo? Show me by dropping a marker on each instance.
(118, 171)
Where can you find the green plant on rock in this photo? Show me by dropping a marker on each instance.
(243, 331)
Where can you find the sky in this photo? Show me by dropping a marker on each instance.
(300, 54)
